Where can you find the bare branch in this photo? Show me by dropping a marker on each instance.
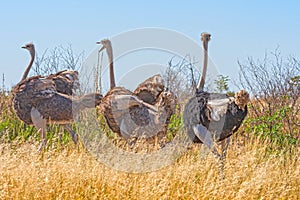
(274, 85)
(58, 59)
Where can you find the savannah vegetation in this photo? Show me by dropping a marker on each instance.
(263, 159)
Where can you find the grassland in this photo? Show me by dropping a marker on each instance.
(256, 168)
(72, 173)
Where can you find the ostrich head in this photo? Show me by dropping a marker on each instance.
(106, 44)
(241, 99)
(205, 37)
(30, 48)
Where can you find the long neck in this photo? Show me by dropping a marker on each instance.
(32, 53)
(111, 67)
(90, 100)
(200, 85)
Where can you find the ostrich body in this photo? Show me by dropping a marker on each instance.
(66, 81)
(37, 102)
(150, 89)
(212, 117)
(41, 94)
(215, 112)
(143, 113)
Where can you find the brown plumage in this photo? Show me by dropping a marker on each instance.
(66, 81)
(150, 89)
(108, 107)
(144, 113)
(40, 93)
(37, 102)
(130, 116)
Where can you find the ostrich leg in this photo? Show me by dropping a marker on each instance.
(40, 125)
(72, 133)
(207, 138)
(221, 160)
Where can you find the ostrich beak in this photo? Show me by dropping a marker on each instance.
(102, 48)
(24, 47)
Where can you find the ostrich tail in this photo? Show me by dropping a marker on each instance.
(241, 99)
(150, 89)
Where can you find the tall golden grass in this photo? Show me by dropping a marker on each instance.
(70, 172)
(66, 171)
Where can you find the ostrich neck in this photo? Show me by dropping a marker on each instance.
(90, 100)
(200, 86)
(111, 67)
(29, 66)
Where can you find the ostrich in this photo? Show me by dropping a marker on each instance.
(150, 89)
(66, 81)
(37, 102)
(211, 117)
(129, 115)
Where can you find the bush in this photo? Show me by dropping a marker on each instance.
(274, 108)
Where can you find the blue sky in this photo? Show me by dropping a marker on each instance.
(239, 28)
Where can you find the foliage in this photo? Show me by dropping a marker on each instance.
(176, 124)
(271, 128)
(275, 107)
(11, 128)
(222, 83)
(252, 171)
(104, 127)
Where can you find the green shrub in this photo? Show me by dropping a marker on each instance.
(272, 128)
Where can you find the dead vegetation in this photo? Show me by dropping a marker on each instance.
(72, 173)
(262, 162)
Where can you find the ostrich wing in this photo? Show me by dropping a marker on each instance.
(218, 107)
(140, 122)
(124, 102)
(220, 102)
(207, 138)
(204, 135)
(37, 119)
(133, 117)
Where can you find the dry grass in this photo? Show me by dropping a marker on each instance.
(70, 172)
